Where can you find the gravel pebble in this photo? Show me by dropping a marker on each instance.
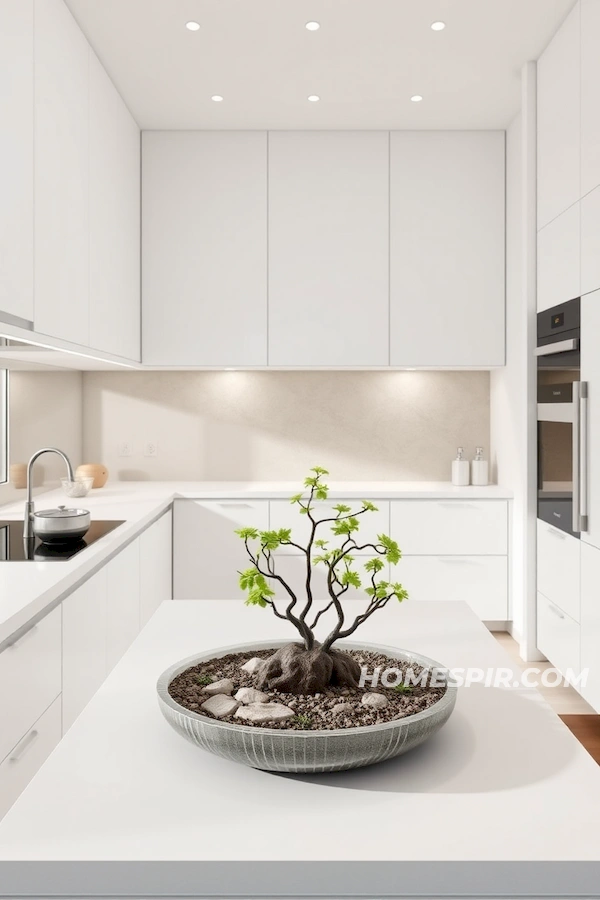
(224, 686)
(378, 701)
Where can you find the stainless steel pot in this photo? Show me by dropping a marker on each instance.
(60, 526)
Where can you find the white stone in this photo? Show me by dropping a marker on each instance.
(378, 701)
(252, 665)
(224, 686)
(265, 712)
(220, 705)
(251, 695)
(341, 708)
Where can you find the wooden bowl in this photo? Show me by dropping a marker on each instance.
(93, 470)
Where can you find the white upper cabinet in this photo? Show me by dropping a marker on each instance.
(590, 240)
(558, 259)
(328, 248)
(447, 248)
(16, 159)
(204, 231)
(61, 174)
(114, 217)
(558, 125)
(590, 95)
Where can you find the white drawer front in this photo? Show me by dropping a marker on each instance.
(557, 636)
(480, 581)
(450, 527)
(558, 568)
(286, 515)
(32, 666)
(28, 754)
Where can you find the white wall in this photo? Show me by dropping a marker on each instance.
(275, 425)
(44, 411)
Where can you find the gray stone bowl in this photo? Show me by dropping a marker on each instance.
(279, 750)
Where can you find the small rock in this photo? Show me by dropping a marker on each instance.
(251, 695)
(220, 706)
(252, 665)
(224, 686)
(264, 712)
(378, 701)
(341, 708)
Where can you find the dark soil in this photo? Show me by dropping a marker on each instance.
(313, 712)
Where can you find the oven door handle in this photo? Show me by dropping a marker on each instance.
(558, 347)
(583, 456)
(576, 455)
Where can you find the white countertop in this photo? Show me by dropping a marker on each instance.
(29, 588)
(503, 800)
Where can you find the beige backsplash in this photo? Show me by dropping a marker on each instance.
(275, 425)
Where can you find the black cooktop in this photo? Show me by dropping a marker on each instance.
(14, 549)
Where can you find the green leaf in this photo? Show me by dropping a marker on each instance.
(247, 578)
(284, 535)
(351, 578)
(391, 548)
(321, 543)
(319, 470)
(247, 533)
(321, 492)
(269, 540)
(323, 558)
(310, 481)
(381, 589)
(296, 498)
(342, 508)
(374, 565)
(369, 506)
(400, 591)
(346, 526)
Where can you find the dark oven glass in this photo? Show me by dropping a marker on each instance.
(555, 474)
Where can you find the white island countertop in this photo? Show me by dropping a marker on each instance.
(29, 589)
(502, 802)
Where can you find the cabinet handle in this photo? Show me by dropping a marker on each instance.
(235, 505)
(15, 644)
(555, 610)
(560, 535)
(22, 748)
(454, 504)
(457, 560)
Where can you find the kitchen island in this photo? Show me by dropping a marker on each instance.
(503, 801)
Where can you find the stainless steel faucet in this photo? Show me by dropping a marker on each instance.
(29, 507)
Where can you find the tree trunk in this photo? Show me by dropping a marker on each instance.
(295, 670)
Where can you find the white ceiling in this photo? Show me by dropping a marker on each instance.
(365, 62)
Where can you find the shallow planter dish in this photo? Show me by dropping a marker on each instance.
(276, 750)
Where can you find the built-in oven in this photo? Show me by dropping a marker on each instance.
(562, 420)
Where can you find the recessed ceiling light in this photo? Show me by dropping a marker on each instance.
(216, 98)
(314, 98)
(192, 26)
(438, 26)
(312, 26)
(416, 98)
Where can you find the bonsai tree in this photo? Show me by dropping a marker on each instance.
(310, 666)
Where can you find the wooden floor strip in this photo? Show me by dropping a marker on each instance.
(586, 729)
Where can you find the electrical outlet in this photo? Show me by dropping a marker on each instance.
(151, 448)
(125, 448)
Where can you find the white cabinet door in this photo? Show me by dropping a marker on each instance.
(328, 248)
(590, 241)
(84, 645)
(32, 666)
(114, 212)
(450, 527)
(61, 174)
(447, 248)
(16, 159)
(590, 623)
(480, 581)
(207, 554)
(590, 95)
(28, 755)
(558, 259)
(156, 555)
(558, 123)
(558, 565)
(558, 636)
(123, 603)
(590, 372)
(204, 254)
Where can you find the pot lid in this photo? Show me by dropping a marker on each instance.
(61, 513)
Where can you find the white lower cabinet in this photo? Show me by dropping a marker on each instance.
(156, 566)
(557, 636)
(480, 581)
(558, 565)
(590, 623)
(26, 757)
(450, 527)
(122, 603)
(207, 554)
(84, 617)
(32, 665)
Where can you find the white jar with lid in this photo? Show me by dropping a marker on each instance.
(460, 469)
